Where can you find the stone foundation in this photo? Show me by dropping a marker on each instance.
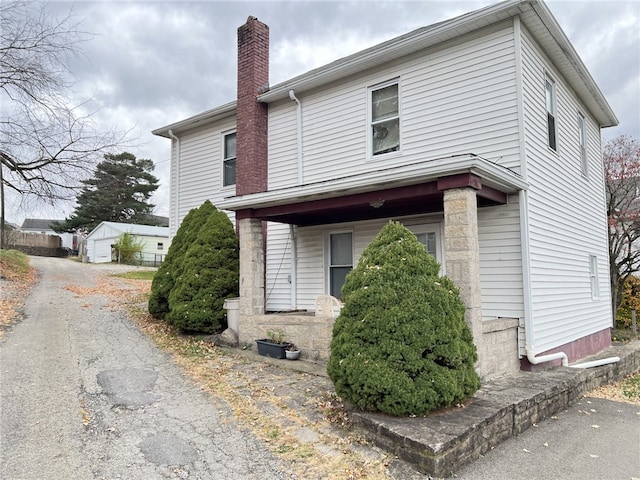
(579, 349)
(311, 334)
(499, 348)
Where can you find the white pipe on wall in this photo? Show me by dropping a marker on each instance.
(293, 232)
(292, 96)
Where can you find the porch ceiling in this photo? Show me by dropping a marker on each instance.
(384, 203)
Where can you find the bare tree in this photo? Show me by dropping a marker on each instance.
(622, 176)
(46, 145)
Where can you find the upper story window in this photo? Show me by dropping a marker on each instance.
(582, 133)
(160, 246)
(550, 89)
(385, 119)
(229, 160)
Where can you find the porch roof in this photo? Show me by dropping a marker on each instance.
(389, 192)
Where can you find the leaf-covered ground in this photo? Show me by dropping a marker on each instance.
(297, 414)
(16, 280)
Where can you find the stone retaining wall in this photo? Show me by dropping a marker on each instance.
(441, 443)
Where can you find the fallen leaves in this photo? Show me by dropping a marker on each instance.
(14, 287)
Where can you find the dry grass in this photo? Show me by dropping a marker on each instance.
(16, 280)
(627, 390)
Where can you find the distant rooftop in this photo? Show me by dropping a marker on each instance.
(38, 223)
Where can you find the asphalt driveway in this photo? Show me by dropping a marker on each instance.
(85, 395)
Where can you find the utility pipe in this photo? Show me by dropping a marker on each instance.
(565, 360)
(533, 360)
(292, 96)
(597, 363)
(177, 182)
(293, 232)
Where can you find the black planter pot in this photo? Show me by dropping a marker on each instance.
(267, 348)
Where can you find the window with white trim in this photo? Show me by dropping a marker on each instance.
(229, 160)
(550, 94)
(429, 236)
(160, 246)
(593, 276)
(340, 263)
(384, 118)
(582, 133)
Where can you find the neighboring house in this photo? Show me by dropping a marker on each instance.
(481, 134)
(39, 225)
(155, 239)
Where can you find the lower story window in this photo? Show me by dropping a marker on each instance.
(593, 276)
(340, 260)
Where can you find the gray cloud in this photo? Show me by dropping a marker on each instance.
(151, 63)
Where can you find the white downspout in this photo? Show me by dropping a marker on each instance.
(293, 232)
(292, 96)
(524, 231)
(177, 187)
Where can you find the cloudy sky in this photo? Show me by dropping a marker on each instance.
(151, 63)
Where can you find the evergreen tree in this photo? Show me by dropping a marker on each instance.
(401, 344)
(118, 192)
(172, 267)
(210, 274)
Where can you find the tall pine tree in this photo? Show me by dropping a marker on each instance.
(118, 192)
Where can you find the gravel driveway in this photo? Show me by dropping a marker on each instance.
(85, 395)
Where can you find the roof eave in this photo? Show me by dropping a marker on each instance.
(200, 119)
(394, 48)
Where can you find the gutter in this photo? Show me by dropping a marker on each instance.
(177, 214)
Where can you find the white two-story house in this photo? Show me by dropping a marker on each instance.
(481, 134)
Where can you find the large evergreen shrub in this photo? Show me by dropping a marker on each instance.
(210, 273)
(401, 344)
(172, 266)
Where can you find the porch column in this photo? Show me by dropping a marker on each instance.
(251, 267)
(462, 255)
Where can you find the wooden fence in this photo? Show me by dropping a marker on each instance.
(39, 244)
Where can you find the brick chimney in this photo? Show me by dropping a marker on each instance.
(251, 115)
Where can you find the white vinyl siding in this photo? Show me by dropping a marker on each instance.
(567, 215)
(200, 173)
(278, 268)
(501, 260)
(455, 98)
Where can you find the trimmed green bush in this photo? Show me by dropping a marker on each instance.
(210, 273)
(172, 266)
(401, 344)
